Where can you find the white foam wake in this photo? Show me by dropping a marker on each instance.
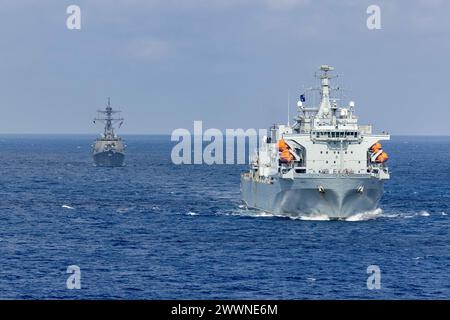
(424, 213)
(364, 216)
(314, 217)
(65, 206)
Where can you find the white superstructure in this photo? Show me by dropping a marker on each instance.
(324, 140)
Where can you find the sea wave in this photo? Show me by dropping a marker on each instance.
(242, 210)
(364, 216)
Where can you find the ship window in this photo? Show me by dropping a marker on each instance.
(334, 161)
(326, 161)
(327, 152)
(321, 152)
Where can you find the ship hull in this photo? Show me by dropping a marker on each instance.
(336, 197)
(109, 158)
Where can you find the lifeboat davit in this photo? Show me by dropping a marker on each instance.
(382, 157)
(375, 147)
(286, 156)
(282, 145)
(285, 153)
(377, 152)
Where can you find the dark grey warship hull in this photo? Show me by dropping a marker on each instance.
(109, 158)
(336, 197)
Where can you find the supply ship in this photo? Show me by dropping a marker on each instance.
(323, 164)
(109, 149)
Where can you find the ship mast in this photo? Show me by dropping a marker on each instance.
(108, 119)
(325, 106)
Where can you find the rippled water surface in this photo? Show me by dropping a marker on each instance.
(154, 230)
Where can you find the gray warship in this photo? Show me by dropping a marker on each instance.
(324, 164)
(109, 149)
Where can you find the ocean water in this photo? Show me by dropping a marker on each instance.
(154, 230)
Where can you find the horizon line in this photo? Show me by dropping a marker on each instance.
(169, 134)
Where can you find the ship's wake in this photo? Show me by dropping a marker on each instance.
(362, 216)
(244, 211)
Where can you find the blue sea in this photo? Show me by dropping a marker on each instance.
(154, 230)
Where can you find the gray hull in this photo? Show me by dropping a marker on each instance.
(109, 159)
(340, 198)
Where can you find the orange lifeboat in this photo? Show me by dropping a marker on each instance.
(383, 157)
(375, 147)
(282, 145)
(286, 156)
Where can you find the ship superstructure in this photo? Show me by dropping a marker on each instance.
(109, 149)
(325, 163)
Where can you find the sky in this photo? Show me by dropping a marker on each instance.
(229, 63)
